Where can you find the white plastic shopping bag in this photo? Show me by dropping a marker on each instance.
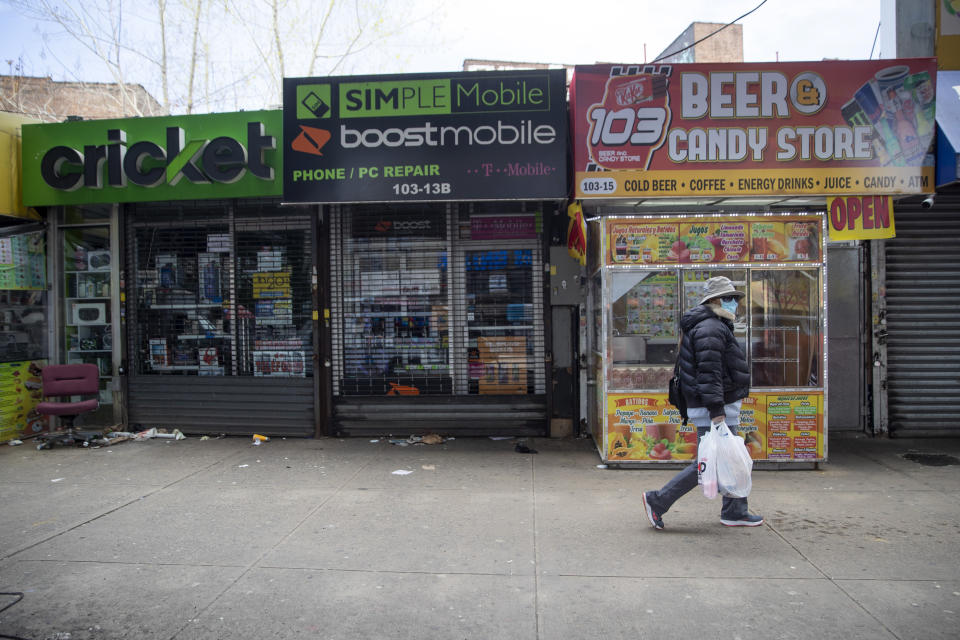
(707, 462)
(734, 464)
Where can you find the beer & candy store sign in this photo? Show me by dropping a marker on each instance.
(457, 136)
(223, 155)
(823, 128)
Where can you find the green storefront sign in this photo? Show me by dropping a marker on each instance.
(221, 155)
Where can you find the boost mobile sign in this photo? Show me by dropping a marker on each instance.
(224, 155)
(455, 136)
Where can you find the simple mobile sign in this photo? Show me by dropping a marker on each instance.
(806, 128)
(455, 136)
(223, 155)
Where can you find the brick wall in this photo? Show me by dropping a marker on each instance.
(51, 101)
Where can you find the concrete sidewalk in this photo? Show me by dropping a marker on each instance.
(320, 539)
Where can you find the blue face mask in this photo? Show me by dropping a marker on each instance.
(730, 306)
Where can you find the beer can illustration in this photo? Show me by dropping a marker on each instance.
(889, 82)
(866, 97)
(921, 93)
(854, 116)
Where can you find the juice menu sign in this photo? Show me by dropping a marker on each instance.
(422, 137)
(775, 426)
(647, 427)
(793, 425)
(713, 240)
(832, 127)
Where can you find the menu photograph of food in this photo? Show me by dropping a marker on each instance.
(774, 426)
(647, 427)
(733, 240)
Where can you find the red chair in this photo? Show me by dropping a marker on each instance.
(66, 380)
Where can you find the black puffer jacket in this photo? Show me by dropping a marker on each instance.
(713, 367)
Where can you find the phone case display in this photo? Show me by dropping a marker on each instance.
(225, 304)
(396, 335)
(87, 290)
(180, 314)
(23, 261)
(23, 297)
(638, 303)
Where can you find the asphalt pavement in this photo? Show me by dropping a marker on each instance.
(353, 538)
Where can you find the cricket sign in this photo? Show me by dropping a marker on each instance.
(224, 155)
(423, 137)
(811, 128)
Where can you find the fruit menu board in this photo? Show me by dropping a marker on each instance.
(651, 307)
(714, 240)
(647, 427)
(775, 427)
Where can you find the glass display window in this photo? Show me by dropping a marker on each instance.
(652, 270)
(432, 300)
(221, 290)
(786, 325)
(23, 296)
(87, 264)
(499, 297)
(392, 285)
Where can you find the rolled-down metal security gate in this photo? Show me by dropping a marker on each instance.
(923, 321)
(219, 325)
(438, 320)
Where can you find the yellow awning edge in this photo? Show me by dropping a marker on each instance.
(11, 167)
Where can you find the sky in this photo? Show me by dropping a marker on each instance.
(554, 31)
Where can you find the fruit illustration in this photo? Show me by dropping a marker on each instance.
(637, 453)
(696, 246)
(754, 444)
(616, 441)
(687, 448)
(620, 453)
(660, 452)
(767, 249)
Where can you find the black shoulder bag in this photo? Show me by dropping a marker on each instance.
(674, 392)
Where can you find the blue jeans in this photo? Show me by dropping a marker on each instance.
(683, 482)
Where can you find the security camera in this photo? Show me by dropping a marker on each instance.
(927, 202)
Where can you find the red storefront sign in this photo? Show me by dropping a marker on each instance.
(833, 127)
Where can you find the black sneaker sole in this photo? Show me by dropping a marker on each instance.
(649, 512)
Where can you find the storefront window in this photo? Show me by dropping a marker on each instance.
(500, 321)
(657, 268)
(221, 290)
(422, 310)
(23, 296)
(393, 287)
(86, 268)
(785, 325)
